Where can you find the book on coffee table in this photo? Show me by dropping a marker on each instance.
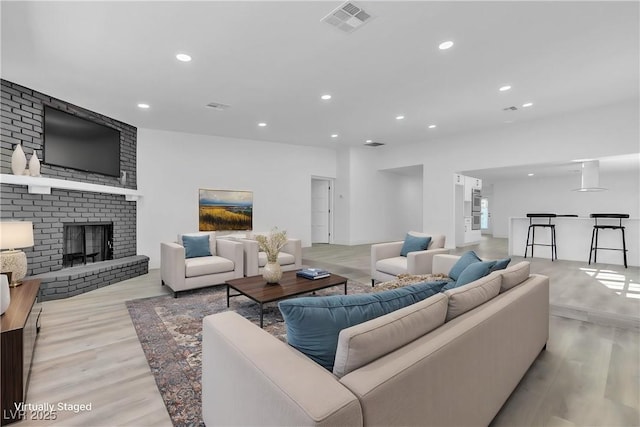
(313, 273)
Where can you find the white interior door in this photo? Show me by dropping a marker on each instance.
(320, 210)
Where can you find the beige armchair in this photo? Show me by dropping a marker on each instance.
(289, 258)
(387, 263)
(179, 273)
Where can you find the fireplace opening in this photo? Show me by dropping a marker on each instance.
(87, 241)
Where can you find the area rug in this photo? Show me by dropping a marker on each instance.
(170, 331)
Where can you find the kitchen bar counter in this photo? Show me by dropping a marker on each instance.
(573, 240)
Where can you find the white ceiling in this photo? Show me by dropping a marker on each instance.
(613, 164)
(271, 61)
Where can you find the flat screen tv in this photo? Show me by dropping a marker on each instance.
(76, 143)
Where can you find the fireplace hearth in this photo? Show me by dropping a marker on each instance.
(87, 242)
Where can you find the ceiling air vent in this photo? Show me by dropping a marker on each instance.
(373, 144)
(217, 106)
(512, 108)
(347, 17)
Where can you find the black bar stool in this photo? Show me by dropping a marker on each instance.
(597, 227)
(531, 232)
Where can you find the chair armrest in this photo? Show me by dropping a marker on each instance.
(420, 262)
(234, 251)
(294, 247)
(172, 266)
(442, 263)
(251, 250)
(251, 378)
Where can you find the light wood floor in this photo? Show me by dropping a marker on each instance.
(88, 352)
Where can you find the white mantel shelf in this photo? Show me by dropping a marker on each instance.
(42, 185)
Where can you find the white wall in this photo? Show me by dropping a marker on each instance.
(173, 166)
(402, 205)
(593, 133)
(516, 198)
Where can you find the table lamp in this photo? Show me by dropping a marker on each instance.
(15, 235)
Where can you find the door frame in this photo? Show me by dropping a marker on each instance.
(331, 182)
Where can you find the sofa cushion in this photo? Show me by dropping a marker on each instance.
(314, 323)
(501, 264)
(515, 275)
(212, 239)
(473, 272)
(283, 259)
(465, 260)
(394, 266)
(368, 341)
(414, 244)
(196, 246)
(202, 266)
(468, 297)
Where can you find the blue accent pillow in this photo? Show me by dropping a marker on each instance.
(414, 243)
(196, 246)
(501, 264)
(465, 260)
(473, 272)
(314, 323)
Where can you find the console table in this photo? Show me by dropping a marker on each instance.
(20, 327)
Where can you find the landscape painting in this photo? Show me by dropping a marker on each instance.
(225, 210)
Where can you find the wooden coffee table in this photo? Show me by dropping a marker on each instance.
(257, 289)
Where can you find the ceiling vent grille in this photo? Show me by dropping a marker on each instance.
(373, 144)
(218, 106)
(512, 108)
(347, 17)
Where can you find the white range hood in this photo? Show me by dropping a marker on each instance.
(590, 176)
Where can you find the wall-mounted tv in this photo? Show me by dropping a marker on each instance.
(76, 143)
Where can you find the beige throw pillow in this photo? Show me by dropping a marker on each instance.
(368, 341)
(515, 275)
(470, 296)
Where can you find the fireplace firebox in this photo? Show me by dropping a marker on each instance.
(87, 241)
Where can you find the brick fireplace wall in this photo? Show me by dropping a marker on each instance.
(22, 122)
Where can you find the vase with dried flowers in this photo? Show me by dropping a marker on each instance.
(271, 245)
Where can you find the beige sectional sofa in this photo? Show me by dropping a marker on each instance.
(438, 362)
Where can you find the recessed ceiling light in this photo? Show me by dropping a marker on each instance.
(399, 117)
(325, 97)
(262, 124)
(334, 135)
(183, 57)
(368, 140)
(445, 45)
(432, 126)
(504, 88)
(528, 104)
(530, 174)
(141, 105)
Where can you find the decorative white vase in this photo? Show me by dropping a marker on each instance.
(34, 164)
(18, 160)
(272, 272)
(5, 293)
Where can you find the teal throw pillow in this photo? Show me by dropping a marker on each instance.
(465, 260)
(314, 323)
(196, 246)
(501, 264)
(473, 272)
(414, 243)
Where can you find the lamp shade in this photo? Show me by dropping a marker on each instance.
(16, 234)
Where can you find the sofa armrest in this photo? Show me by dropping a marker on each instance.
(251, 250)
(420, 262)
(172, 266)
(294, 247)
(442, 263)
(251, 378)
(233, 251)
(383, 251)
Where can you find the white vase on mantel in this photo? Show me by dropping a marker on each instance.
(34, 164)
(18, 161)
